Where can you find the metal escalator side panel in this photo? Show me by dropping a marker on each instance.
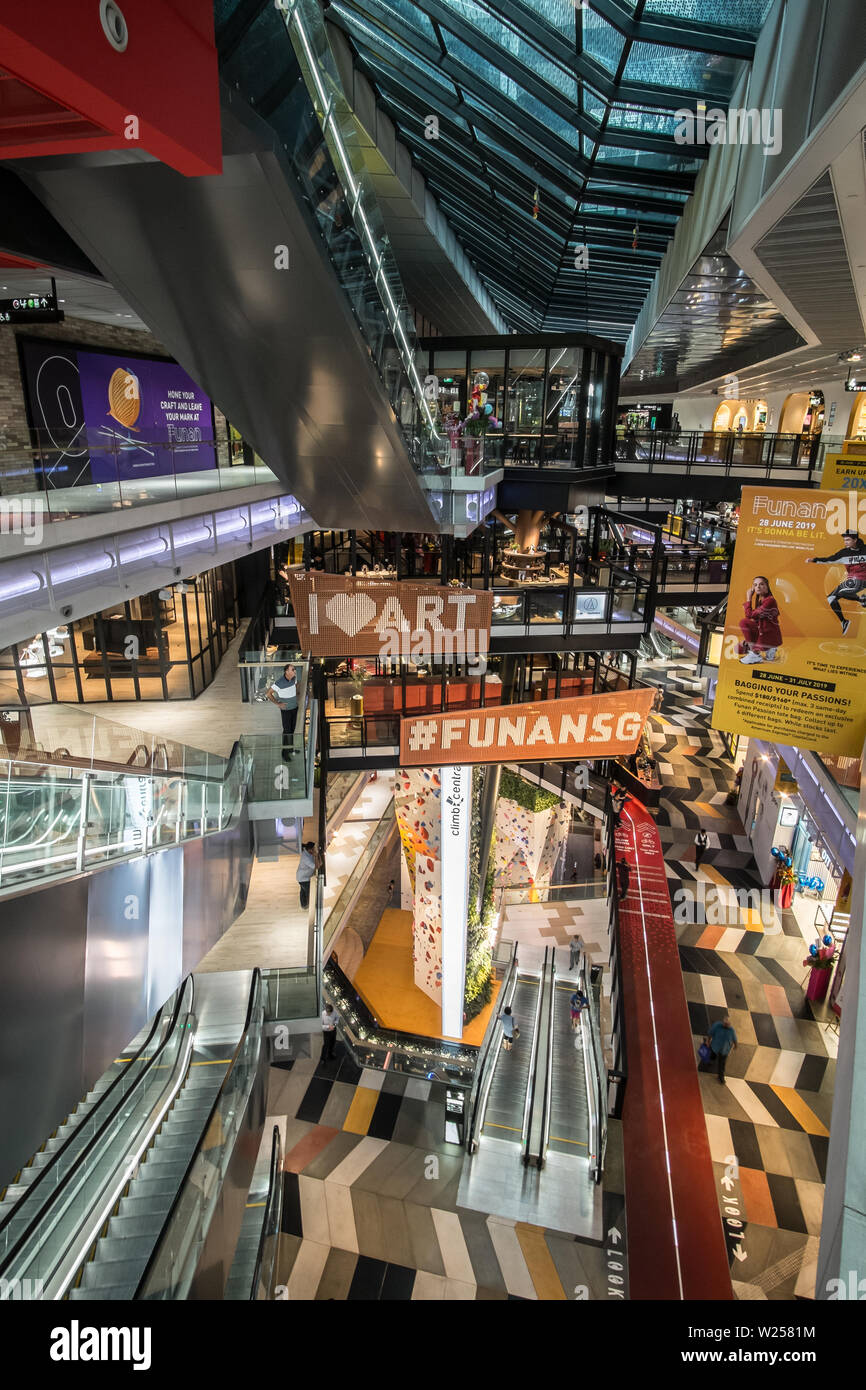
(56, 1241)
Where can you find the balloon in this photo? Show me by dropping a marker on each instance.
(813, 950)
(828, 940)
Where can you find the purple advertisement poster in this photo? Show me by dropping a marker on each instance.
(143, 418)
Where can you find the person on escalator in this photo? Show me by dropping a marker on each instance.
(578, 1002)
(510, 1030)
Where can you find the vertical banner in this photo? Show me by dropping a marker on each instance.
(794, 650)
(455, 823)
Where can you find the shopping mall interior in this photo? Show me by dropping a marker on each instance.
(432, 646)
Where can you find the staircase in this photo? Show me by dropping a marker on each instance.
(120, 1256)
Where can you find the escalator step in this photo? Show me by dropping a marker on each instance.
(125, 1227)
(155, 1205)
(93, 1295)
(112, 1249)
(113, 1274)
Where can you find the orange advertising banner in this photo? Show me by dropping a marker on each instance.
(590, 726)
(342, 615)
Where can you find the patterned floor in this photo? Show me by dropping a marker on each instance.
(768, 1127)
(370, 1198)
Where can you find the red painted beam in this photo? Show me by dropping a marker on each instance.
(161, 94)
(676, 1243)
(8, 262)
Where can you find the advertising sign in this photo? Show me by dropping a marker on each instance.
(456, 816)
(844, 471)
(589, 726)
(31, 308)
(794, 649)
(342, 615)
(104, 417)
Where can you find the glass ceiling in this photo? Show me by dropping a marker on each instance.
(574, 104)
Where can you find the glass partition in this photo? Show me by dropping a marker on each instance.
(561, 410)
(524, 401)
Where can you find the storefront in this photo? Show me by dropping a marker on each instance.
(165, 645)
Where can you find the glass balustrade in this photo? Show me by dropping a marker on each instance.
(83, 792)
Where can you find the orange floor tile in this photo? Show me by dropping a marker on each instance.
(385, 981)
(756, 1195)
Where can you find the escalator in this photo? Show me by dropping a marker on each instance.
(569, 1114)
(505, 1114)
(122, 1207)
(289, 234)
(662, 646)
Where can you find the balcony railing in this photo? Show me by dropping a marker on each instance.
(739, 455)
(106, 472)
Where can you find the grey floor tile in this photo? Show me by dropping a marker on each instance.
(368, 1225)
(423, 1239)
(336, 1276)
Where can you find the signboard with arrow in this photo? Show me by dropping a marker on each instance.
(31, 308)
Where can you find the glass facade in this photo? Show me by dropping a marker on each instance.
(554, 395)
(166, 645)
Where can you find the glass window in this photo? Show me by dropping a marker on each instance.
(563, 393)
(490, 365)
(449, 368)
(524, 397)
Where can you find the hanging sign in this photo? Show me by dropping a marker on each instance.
(589, 726)
(342, 615)
(794, 651)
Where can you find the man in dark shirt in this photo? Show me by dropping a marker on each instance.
(721, 1039)
(623, 874)
(853, 557)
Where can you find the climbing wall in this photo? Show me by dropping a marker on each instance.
(417, 803)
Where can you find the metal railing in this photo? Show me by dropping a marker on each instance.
(387, 1049)
(660, 450)
(108, 471)
(596, 1072)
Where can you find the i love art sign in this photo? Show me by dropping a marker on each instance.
(590, 726)
(342, 615)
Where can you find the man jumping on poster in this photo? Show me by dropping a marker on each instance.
(853, 556)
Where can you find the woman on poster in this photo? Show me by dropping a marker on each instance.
(759, 625)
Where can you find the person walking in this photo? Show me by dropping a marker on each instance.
(701, 842)
(329, 1032)
(305, 871)
(575, 946)
(721, 1040)
(510, 1030)
(618, 799)
(578, 1002)
(284, 694)
(623, 873)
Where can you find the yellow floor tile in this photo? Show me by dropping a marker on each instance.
(800, 1110)
(539, 1262)
(361, 1110)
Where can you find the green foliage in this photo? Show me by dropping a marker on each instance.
(479, 952)
(515, 788)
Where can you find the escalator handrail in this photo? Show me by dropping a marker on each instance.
(483, 1078)
(529, 1102)
(273, 1209)
(68, 1140)
(34, 1221)
(547, 1096)
(256, 987)
(594, 1093)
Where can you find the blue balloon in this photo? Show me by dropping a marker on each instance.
(813, 950)
(828, 940)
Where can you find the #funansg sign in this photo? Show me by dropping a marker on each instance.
(589, 726)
